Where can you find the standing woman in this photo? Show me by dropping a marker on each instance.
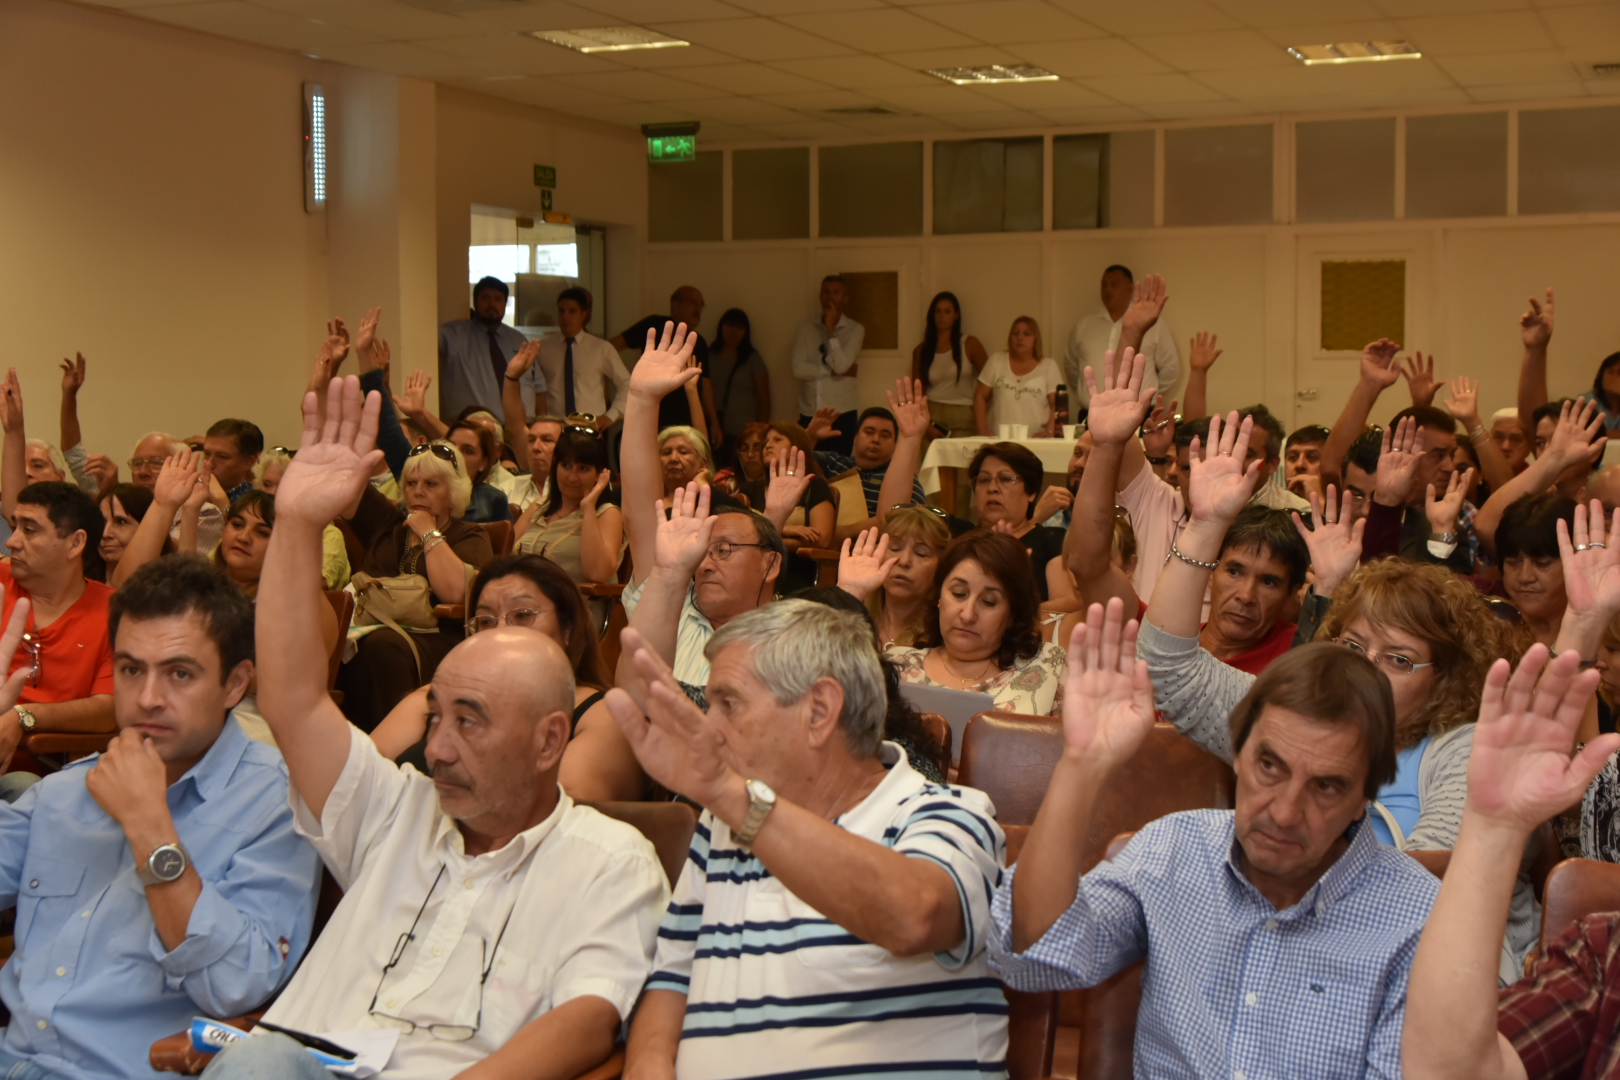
(948, 365)
(741, 381)
(573, 526)
(1018, 386)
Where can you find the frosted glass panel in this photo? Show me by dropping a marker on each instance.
(1217, 175)
(1569, 160)
(1456, 166)
(1129, 191)
(684, 200)
(987, 185)
(1362, 301)
(873, 190)
(1345, 170)
(770, 194)
(1079, 192)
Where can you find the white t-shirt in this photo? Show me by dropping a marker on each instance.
(944, 386)
(1020, 399)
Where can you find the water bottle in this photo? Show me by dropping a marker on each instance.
(1060, 409)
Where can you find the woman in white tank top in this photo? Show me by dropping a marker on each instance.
(948, 364)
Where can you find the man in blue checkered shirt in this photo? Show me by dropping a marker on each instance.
(1276, 939)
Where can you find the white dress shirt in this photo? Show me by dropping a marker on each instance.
(568, 908)
(820, 360)
(596, 363)
(1097, 333)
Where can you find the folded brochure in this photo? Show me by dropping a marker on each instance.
(355, 1054)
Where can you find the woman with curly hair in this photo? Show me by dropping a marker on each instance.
(982, 633)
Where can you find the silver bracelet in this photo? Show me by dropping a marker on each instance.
(1190, 561)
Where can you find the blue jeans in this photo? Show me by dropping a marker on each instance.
(262, 1057)
(13, 1067)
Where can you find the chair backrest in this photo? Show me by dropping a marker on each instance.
(500, 536)
(1032, 1019)
(342, 601)
(940, 729)
(1575, 889)
(1106, 1013)
(850, 497)
(617, 620)
(1435, 862)
(826, 560)
(1010, 757)
(669, 825)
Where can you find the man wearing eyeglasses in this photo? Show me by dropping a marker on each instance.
(487, 919)
(145, 464)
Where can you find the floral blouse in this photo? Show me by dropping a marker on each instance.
(1033, 686)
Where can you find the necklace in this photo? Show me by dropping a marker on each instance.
(945, 658)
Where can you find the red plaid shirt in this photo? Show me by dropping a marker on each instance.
(1564, 1017)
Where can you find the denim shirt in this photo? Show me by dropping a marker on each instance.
(91, 985)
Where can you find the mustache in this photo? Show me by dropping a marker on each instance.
(444, 772)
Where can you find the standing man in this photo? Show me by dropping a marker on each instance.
(578, 365)
(1129, 316)
(233, 448)
(682, 409)
(473, 354)
(826, 355)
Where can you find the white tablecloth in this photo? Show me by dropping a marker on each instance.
(958, 453)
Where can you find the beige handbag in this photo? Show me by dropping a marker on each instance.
(403, 603)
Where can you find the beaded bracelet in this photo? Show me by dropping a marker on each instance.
(1190, 561)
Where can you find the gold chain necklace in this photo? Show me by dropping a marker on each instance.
(945, 658)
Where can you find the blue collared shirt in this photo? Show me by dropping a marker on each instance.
(467, 370)
(1232, 987)
(91, 985)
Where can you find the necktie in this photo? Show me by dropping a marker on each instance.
(568, 379)
(497, 358)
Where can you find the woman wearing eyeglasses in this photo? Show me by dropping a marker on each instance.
(425, 534)
(1007, 496)
(575, 526)
(531, 592)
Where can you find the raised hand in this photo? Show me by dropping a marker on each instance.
(338, 335)
(821, 424)
(381, 354)
(667, 364)
(365, 339)
(1419, 373)
(1203, 353)
(588, 500)
(1148, 297)
(682, 539)
(1520, 772)
(1334, 543)
(181, 478)
(335, 459)
(1378, 365)
(103, 468)
(1219, 486)
(1398, 460)
(1054, 500)
(1119, 404)
(1591, 570)
(1536, 325)
(72, 375)
(1159, 430)
(1107, 696)
(864, 564)
(1464, 401)
(524, 359)
(910, 407)
(788, 482)
(414, 402)
(1576, 436)
(11, 404)
(1443, 512)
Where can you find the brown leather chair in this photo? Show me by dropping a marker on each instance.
(1010, 757)
(1575, 889)
(500, 536)
(826, 565)
(1435, 862)
(1032, 1019)
(617, 620)
(342, 601)
(940, 729)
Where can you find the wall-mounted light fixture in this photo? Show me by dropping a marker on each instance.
(314, 148)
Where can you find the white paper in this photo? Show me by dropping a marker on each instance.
(372, 1048)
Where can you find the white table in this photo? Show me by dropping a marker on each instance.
(945, 455)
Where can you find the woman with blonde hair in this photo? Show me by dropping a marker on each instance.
(917, 536)
(1018, 386)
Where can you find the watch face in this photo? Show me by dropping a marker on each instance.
(167, 863)
(762, 791)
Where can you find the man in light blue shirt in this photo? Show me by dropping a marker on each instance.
(163, 878)
(1277, 938)
(474, 352)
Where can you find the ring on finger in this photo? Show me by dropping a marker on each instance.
(1598, 544)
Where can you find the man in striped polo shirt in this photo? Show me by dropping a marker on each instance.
(832, 915)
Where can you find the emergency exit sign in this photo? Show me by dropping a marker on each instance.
(545, 176)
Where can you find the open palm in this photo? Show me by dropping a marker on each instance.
(683, 536)
(1118, 405)
(336, 458)
(1591, 568)
(864, 564)
(1334, 543)
(910, 407)
(675, 742)
(789, 480)
(1398, 461)
(1107, 698)
(1219, 486)
(667, 363)
(1378, 364)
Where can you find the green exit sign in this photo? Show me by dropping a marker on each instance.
(662, 148)
(545, 176)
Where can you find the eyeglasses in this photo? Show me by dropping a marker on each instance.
(447, 1032)
(1001, 480)
(521, 617)
(36, 660)
(1393, 663)
(721, 550)
(139, 463)
(439, 450)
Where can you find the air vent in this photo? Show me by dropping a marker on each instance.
(864, 110)
(1610, 70)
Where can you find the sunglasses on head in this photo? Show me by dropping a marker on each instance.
(438, 450)
(581, 429)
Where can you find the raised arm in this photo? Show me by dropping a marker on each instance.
(1419, 375)
(1535, 332)
(72, 380)
(413, 406)
(1201, 356)
(374, 357)
(178, 482)
(1464, 405)
(1591, 581)
(665, 365)
(1379, 371)
(14, 455)
(681, 543)
(1334, 543)
(1148, 297)
(1572, 441)
(1520, 773)
(910, 407)
(512, 411)
(1117, 409)
(789, 478)
(333, 468)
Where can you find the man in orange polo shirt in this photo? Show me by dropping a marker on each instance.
(56, 534)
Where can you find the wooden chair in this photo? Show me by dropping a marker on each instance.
(1575, 889)
(826, 565)
(617, 620)
(1032, 1019)
(940, 729)
(342, 601)
(500, 536)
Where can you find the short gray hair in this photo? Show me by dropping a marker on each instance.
(796, 642)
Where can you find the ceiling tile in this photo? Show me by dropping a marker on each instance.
(750, 79)
(559, 95)
(964, 56)
(738, 110)
(520, 53)
(1261, 13)
(1154, 89)
(1306, 82)
(799, 7)
(714, 134)
(535, 15)
(129, 5)
(1044, 95)
(645, 12)
(382, 20)
(1101, 56)
(1502, 69)
(807, 129)
(1192, 110)
(1157, 17)
(754, 39)
(855, 72)
(636, 85)
(1400, 9)
(635, 113)
(1102, 114)
(937, 100)
(819, 100)
(881, 31)
(1008, 20)
(1321, 33)
(404, 58)
(1214, 50)
(689, 56)
(992, 121)
(1574, 27)
(1524, 92)
(1479, 32)
(234, 19)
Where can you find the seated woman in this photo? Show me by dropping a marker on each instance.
(684, 454)
(427, 537)
(982, 633)
(334, 552)
(478, 449)
(1532, 573)
(918, 536)
(796, 498)
(574, 526)
(532, 592)
(124, 507)
(749, 447)
(1007, 495)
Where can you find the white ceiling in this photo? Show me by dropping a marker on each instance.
(774, 69)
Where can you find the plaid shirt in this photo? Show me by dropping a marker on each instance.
(1231, 986)
(1564, 1017)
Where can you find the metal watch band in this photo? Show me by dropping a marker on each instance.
(25, 717)
(762, 800)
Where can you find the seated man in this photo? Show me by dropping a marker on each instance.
(1276, 937)
(233, 448)
(486, 917)
(831, 915)
(163, 878)
(150, 454)
(67, 650)
(1561, 1019)
(877, 438)
(1302, 460)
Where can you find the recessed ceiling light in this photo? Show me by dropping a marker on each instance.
(992, 73)
(1606, 70)
(610, 39)
(1354, 52)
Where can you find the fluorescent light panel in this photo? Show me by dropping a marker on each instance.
(1353, 52)
(314, 147)
(992, 73)
(610, 39)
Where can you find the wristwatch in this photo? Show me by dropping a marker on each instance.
(1445, 538)
(762, 800)
(166, 863)
(26, 719)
